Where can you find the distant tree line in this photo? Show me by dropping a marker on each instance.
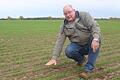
(50, 18)
(35, 18)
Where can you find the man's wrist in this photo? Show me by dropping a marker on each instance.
(54, 57)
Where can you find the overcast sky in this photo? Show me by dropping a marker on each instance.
(54, 8)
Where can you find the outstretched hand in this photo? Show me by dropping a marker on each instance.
(51, 62)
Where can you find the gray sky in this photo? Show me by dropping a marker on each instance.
(54, 8)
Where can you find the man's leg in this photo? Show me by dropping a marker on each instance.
(74, 51)
(90, 64)
(91, 59)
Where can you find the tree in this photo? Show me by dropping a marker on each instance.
(21, 17)
(9, 18)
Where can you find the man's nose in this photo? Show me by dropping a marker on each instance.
(68, 15)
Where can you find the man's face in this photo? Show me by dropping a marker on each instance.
(69, 14)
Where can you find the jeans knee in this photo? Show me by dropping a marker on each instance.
(68, 52)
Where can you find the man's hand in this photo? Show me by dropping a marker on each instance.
(51, 62)
(95, 45)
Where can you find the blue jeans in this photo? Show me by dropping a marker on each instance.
(77, 52)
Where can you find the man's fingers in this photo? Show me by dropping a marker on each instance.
(94, 50)
(55, 63)
(95, 45)
(51, 62)
(47, 64)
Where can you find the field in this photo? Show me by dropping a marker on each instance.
(26, 45)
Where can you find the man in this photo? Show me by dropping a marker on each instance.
(84, 34)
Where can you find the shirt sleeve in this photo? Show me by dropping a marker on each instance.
(92, 25)
(59, 44)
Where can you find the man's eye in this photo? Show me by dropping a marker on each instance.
(69, 11)
(65, 13)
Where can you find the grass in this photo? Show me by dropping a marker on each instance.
(26, 45)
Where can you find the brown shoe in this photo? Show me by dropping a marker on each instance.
(84, 75)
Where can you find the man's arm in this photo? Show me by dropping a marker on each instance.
(58, 47)
(95, 30)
